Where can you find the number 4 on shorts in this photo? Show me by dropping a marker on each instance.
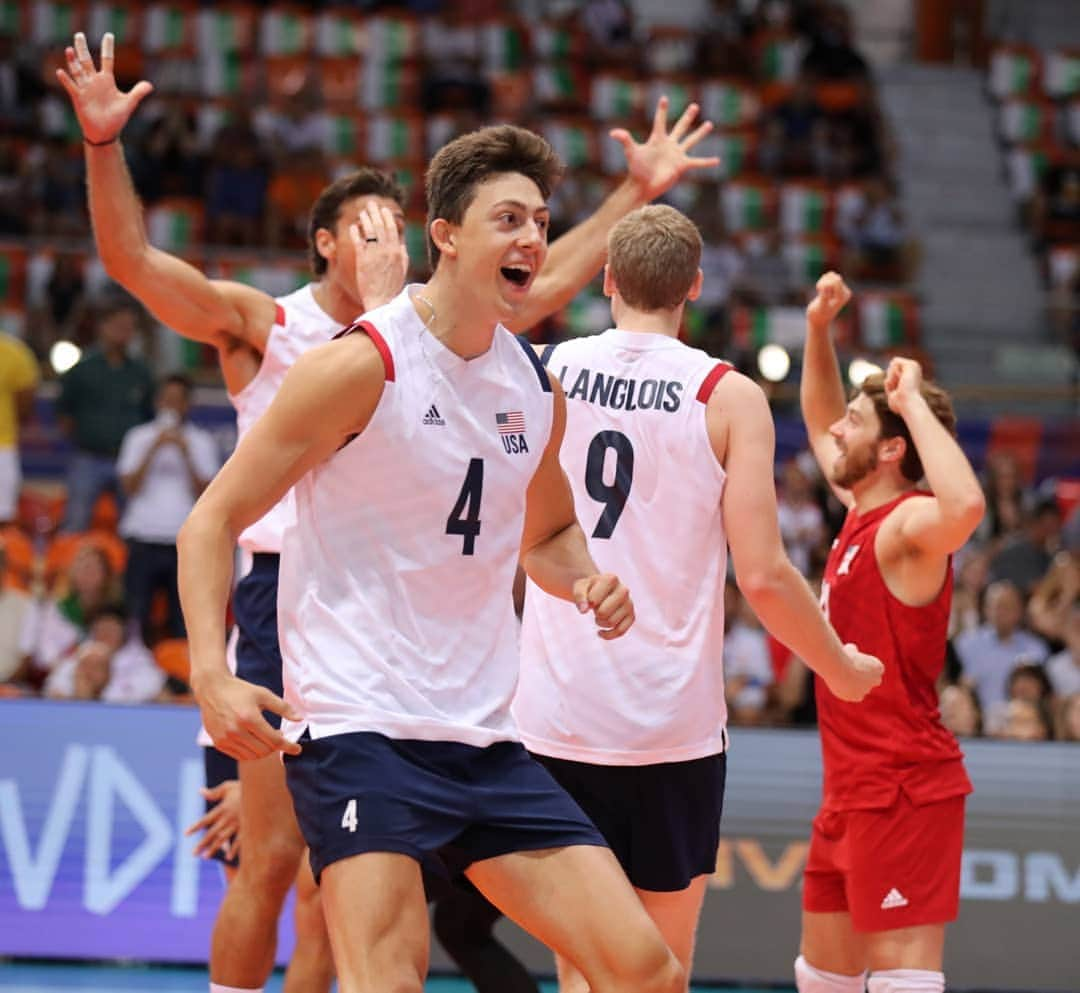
(348, 820)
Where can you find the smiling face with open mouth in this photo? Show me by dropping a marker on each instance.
(501, 243)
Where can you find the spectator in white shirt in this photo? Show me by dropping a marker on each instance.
(163, 467)
(748, 672)
(990, 653)
(1064, 668)
(111, 664)
(802, 524)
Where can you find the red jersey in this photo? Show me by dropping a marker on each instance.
(894, 738)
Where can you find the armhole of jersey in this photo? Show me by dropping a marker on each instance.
(538, 366)
(708, 384)
(380, 346)
(545, 355)
(377, 340)
(279, 322)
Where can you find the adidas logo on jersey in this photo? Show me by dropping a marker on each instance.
(893, 899)
(432, 416)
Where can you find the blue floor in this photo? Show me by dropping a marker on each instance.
(24, 978)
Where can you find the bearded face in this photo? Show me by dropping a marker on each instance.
(856, 435)
(854, 464)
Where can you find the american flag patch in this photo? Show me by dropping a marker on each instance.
(510, 422)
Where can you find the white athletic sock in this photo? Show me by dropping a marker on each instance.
(808, 979)
(907, 981)
(218, 988)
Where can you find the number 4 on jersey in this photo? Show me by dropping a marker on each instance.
(348, 819)
(464, 519)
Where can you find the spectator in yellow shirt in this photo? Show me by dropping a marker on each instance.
(18, 376)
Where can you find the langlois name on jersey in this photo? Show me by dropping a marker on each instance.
(621, 393)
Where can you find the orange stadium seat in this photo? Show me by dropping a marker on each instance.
(339, 80)
(19, 557)
(106, 515)
(171, 655)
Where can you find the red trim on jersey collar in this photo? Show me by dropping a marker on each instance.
(377, 340)
(279, 315)
(708, 384)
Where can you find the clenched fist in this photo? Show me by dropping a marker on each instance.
(832, 296)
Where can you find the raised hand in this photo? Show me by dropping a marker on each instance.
(609, 601)
(659, 162)
(101, 108)
(382, 258)
(903, 382)
(832, 296)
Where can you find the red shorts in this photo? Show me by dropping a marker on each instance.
(891, 868)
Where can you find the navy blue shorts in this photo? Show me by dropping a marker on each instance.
(442, 803)
(662, 821)
(258, 655)
(217, 769)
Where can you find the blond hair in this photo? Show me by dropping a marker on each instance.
(653, 256)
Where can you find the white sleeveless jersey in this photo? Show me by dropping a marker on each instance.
(647, 489)
(300, 325)
(394, 606)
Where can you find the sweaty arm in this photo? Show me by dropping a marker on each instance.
(175, 292)
(940, 524)
(821, 389)
(554, 553)
(742, 435)
(328, 395)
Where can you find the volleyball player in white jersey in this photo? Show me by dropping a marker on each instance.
(669, 454)
(257, 339)
(425, 449)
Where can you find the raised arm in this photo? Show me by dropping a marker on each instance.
(327, 396)
(554, 553)
(653, 167)
(176, 293)
(821, 390)
(741, 430)
(942, 523)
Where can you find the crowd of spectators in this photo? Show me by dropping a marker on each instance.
(229, 169)
(1038, 106)
(89, 607)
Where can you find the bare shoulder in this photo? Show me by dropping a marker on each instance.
(353, 358)
(735, 398)
(737, 405)
(895, 530)
(734, 387)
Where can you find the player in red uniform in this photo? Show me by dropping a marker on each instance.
(883, 871)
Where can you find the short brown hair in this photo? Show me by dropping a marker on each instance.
(463, 164)
(892, 424)
(653, 256)
(326, 210)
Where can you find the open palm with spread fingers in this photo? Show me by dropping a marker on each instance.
(101, 108)
(663, 158)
